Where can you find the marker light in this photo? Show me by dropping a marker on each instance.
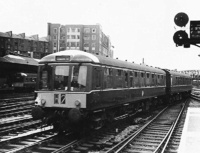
(43, 102)
(77, 103)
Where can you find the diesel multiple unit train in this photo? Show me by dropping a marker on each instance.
(75, 88)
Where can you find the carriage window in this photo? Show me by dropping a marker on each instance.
(78, 78)
(45, 77)
(61, 77)
(119, 79)
(126, 78)
(131, 79)
(142, 75)
(147, 75)
(108, 78)
(135, 74)
(97, 78)
(119, 72)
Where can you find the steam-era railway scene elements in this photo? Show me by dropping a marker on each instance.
(70, 91)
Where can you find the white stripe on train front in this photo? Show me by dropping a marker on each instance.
(63, 100)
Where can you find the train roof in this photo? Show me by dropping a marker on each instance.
(175, 73)
(74, 56)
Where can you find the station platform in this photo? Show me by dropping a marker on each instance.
(190, 139)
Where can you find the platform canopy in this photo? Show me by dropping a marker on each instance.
(19, 60)
(18, 63)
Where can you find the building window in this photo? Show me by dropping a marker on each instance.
(86, 48)
(55, 30)
(62, 30)
(86, 37)
(86, 45)
(54, 44)
(93, 44)
(93, 37)
(78, 30)
(93, 30)
(68, 44)
(87, 30)
(54, 37)
(73, 44)
(78, 37)
(68, 29)
(62, 37)
(78, 44)
(73, 36)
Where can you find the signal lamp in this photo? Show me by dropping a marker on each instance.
(181, 19)
(180, 37)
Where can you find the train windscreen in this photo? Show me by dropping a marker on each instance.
(63, 77)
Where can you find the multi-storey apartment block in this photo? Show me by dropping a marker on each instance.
(89, 38)
(19, 44)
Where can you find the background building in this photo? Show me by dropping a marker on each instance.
(89, 38)
(19, 44)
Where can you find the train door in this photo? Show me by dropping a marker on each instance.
(97, 78)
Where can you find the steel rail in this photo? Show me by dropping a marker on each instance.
(174, 125)
(132, 136)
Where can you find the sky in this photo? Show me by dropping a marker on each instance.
(138, 29)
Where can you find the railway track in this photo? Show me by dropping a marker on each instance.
(15, 106)
(58, 143)
(150, 132)
(173, 141)
(17, 125)
(16, 99)
(148, 136)
(22, 141)
(40, 141)
(15, 95)
(106, 137)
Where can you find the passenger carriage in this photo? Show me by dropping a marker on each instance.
(74, 85)
(178, 84)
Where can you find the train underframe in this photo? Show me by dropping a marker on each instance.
(78, 119)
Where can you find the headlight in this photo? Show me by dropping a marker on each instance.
(37, 101)
(77, 103)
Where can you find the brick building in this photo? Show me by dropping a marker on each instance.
(19, 44)
(89, 38)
